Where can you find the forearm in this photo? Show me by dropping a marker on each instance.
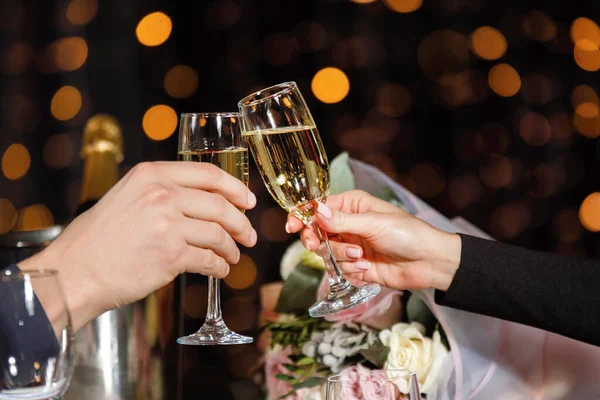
(548, 291)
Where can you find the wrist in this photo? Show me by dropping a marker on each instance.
(445, 259)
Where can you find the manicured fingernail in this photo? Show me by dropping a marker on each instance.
(251, 199)
(353, 253)
(362, 264)
(287, 227)
(307, 244)
(324, 210)
(253, 236)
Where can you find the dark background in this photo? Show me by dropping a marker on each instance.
(420, 107)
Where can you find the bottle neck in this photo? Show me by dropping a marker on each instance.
(101, 172)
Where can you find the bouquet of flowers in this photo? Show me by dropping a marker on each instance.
(396, 330)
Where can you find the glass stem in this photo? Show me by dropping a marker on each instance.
(337, 282)
(213, 311)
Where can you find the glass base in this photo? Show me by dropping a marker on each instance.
(344, 300)
(214, 336)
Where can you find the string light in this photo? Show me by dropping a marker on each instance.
(154, 29)
(330, 85)
(159, 122)
(15, 161)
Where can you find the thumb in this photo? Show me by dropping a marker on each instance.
(336, 221)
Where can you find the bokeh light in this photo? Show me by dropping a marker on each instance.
(70, 53)
(589, 212)
(15, 161)
(81, 12)
(538, 89)
(561, 128)
(154, 29)
(66, 103)
(587, 55)
(240, 313)
(488, 43)
(16, 58)
(272, 223)
(59, 151)
(497, 173)
(567, 226)
(588, 127)
(464, 191)
(510, 220)
(330, 85)
(363, 1)
(539, 26)
(394, 100)
(280, 49)
(583, 94)
(8, 216)
(587, 109)
(403, 6)
(243, 274)
(442, 52)
(585, 29)
(504, 80)
(534, 128)
(181, 81)
(159, 122)
(34, 217)
(195, 300)
(429, 179)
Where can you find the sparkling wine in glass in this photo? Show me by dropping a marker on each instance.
(36, 340)
(214, 138)
(373, 384)
(286, 146)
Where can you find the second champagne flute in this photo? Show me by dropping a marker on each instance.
(290, 157)
(214, 138)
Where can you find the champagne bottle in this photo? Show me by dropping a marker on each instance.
(102, 152)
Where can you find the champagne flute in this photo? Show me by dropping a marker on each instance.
(373, 384)
(36, 340)
(214, 138)
(290, 157)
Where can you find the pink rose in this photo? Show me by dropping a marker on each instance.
(274, 360)
(380, 313)
(360, 383)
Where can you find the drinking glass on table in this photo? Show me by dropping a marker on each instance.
(214, 138)
(290, 157)
(36, 352)
(373, 384)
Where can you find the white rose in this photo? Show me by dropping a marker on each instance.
(411, 350)
(313, 393)
(294, 255)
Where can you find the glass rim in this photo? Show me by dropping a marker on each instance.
(211, 114)
(285, 87)
(22, 275)
(398, 373)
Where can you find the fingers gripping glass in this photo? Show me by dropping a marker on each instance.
(214, 138)
(374, 384)
(36, 341)
(290, 157)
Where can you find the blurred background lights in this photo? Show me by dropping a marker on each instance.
(8, 216)
(567, 225)
(587, 55)
(16, 58)
(330, 85)
(497, 173)
(243, 274)
(442, 52)
(488, 43)
(81, 12)
(154, 29)
(195, 300)
(583, 94)
(59, 151)
(393, 100)
(534, 128)
(272, 223)
(15, 161)
(539, 26)
(34, 217)
(429, 179)
(66, 103)
(159, 122)
(363, 1)
(589, 212)
(403, 6)
(585, 29)
(70, 53)
(181, 81)
(504, 80)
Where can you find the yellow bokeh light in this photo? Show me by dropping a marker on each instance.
(66, 103)
(363, 1)
(81, 12)
(404, 6)
(584, 94)
(70, 53)
(488, 43)
(589, 212)
(154, 29)
(585, 29)
(15, 161)
(330, 85)
(8, 215)
(181, 81)
(587, 109)
(159, 122)
(588, 127)
(504, 80)
(34, 217)
(587, 55)
(539, 26)
(243, 274)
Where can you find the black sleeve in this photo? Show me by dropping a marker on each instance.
(25, 337)
(556, 293)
